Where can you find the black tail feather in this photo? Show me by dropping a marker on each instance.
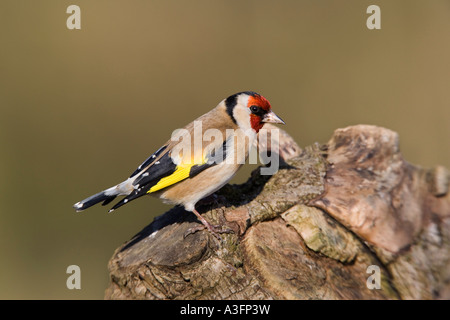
(93, 200)
(134, 195)
(107, 201)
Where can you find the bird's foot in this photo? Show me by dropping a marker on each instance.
(214, 229)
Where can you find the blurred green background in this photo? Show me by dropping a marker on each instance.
(80, 109)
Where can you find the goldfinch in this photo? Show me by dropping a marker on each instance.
(198, 159)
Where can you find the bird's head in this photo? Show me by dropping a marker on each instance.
(250, 110)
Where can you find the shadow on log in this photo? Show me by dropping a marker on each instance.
(347, 220)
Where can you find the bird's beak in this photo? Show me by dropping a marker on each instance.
(271, 117)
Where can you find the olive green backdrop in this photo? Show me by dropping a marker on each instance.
(80, 109)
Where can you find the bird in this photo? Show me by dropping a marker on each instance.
(185, 169)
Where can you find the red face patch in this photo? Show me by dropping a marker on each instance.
(256, 123)
(255, 119)
(260, 101)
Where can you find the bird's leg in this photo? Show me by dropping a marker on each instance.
(215, 230)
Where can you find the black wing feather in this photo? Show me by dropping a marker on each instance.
(148, 160)
(162, 168)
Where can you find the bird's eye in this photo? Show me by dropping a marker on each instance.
(254, 109)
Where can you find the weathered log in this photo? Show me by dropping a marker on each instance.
(310, 231)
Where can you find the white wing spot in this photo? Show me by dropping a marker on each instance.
(125, 200)
(157, 162)
(145, 174)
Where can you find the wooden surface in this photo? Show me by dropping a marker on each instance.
(310, 231)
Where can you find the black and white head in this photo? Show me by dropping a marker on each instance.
(250, 110)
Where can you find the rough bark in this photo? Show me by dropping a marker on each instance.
(310, 231)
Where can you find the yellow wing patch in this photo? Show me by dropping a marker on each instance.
(181, 173)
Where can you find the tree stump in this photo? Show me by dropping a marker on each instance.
(347, 220)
